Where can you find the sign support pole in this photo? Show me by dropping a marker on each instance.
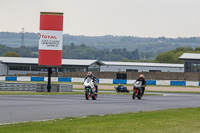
(49, 80)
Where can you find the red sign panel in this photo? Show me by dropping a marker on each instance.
(51, 39)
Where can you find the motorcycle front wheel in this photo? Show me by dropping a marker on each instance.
(134, 94)
(87, 94)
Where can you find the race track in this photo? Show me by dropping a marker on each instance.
(148, 88)
(21, 108)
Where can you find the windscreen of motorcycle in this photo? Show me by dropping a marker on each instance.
(138, 83)
(88, 80)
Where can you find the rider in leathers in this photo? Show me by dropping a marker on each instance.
(90, 75)
(141, 78)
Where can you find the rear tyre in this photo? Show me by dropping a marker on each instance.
(87, 94)
(139, 95)
(134, 94)
(94, 97)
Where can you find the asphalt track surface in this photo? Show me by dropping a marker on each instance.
(148, 88)
(22, 108)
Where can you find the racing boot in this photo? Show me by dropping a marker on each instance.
(143, 91)
(96, 89)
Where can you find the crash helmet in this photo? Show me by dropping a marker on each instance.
(89, 74)
(141, 76)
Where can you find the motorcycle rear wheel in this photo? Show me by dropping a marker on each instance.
(94, 97)
(139, 95)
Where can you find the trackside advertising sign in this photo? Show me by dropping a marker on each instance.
(51, 39)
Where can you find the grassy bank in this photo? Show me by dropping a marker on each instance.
(166, 121)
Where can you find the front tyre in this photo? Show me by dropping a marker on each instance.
(134, 94)
(87, 94)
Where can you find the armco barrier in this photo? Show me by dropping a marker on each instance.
(53, 79)
(77, 79)
(23, 78)
(9, 86)
(119, 81)
(130, 81)
(192, 83)
(11, 78)
(104, 81)
(37, 78)
(178, 83)
(16, 86)
(150, 82)
(162, 82)
(64, 80)
(3, 78)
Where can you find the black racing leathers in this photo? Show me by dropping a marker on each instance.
(143, 84)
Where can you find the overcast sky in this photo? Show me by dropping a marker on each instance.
(142, 18)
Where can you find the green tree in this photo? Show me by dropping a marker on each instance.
(125, 60)
(166, 57)
(176, 56)
(197, 49)
(183, 49)
(11, 54)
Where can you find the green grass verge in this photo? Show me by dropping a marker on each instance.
(165, 121)
(39, 93)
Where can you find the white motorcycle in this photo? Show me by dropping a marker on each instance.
(90, 89)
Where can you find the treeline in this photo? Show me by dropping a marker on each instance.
(86, 52)
(173, 55)
(77, 52)
(23, 51)
(169, 56)
(148, 47)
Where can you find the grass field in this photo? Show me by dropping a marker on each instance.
(165, 121)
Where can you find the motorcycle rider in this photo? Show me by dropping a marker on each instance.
(141, 78)
(90, 75)
(119, 87)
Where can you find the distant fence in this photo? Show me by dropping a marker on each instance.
(103, 81)
(34, 87)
